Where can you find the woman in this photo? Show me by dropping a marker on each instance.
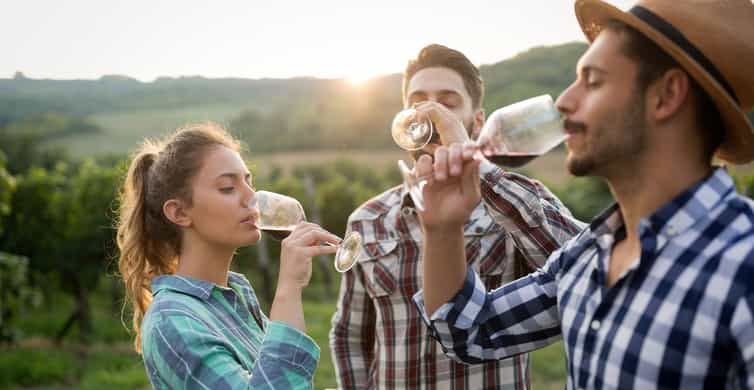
(186, 206)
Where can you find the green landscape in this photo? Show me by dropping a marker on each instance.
(63, 147)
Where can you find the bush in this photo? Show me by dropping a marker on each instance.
(15, 295)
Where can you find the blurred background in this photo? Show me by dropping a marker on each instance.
(309, 88)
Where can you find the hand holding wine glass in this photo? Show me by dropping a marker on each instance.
(511, 137)
(281, 215)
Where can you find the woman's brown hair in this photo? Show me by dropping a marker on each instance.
(149, 243)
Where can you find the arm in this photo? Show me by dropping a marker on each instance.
(352, 332)
(180, 352)
(296, 253)
(476, 325)
(536, 219)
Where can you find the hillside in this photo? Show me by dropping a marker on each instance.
(112, 114)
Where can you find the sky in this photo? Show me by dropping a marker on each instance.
(146, 39)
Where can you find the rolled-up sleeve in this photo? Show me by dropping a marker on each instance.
(477, 325)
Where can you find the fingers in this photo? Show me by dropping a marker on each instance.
(446, 123)
(450, 161)
(455, 159)
(423, 166)
(308, 234)
(441, 163)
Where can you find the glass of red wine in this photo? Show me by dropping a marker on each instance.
(279, 214)
(511, 137)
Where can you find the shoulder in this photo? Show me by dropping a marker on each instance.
(376, 207)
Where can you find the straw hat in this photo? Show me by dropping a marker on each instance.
(713, 40)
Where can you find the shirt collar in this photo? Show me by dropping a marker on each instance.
(198, 288)
(678, 215)
(692, 205)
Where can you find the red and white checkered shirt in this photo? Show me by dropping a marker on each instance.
(378, 339)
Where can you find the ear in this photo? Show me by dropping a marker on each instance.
(175, 212)
(477, 124)
(669, 94)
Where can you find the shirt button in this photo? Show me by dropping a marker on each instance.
(478, 229)
(407, 211)
(595, 325)
(671, 230)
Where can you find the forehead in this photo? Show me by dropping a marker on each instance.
(436, 80)
(219, 160)
(606, 54)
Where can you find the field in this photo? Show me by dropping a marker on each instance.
(109, 362)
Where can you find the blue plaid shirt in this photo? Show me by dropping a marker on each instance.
(198, 335)
(681, 317)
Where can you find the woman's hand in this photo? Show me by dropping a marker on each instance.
(296, 252)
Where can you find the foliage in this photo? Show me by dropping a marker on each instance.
(585, 197)
(15, 295)
(7, 187)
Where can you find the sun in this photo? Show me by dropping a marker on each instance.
(358, 80)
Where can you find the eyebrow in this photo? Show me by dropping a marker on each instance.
(586, 69)
(233, 175)
(444, 92)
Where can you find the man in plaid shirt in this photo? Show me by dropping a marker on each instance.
(658, 292)
(378, 339)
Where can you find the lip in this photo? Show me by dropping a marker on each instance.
(251, 221)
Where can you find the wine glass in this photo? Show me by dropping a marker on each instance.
(411, 130)
(511, 137)
(279, 215)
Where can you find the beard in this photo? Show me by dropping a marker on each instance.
(435, 140)
(622, 139)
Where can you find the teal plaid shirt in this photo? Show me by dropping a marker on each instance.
(199, 335)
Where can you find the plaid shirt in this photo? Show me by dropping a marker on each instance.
(378, 339)
(197, 335)
(681, 317)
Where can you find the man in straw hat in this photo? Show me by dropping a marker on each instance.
(658, 292)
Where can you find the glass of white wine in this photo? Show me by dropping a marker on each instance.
(511, 137)
(279, 214)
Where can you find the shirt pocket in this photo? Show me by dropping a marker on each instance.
(380, 268)
(488, 250)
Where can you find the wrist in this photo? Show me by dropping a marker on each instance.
(443, 230)
(288, 291)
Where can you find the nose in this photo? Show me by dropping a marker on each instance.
(250, 198)
(566, 102)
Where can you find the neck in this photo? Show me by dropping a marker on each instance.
(650, 182)
(202, 260)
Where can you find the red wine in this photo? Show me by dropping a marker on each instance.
(278, 234)
(512, 159)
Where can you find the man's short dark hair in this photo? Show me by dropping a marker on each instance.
(653, 62)
(440, 56)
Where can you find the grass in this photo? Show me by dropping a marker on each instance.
(108, 361)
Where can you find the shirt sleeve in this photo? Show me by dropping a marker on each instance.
(477, 325)
(180, 352)
(537, 220)
(352, 331)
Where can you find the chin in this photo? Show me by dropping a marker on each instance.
(249, 238)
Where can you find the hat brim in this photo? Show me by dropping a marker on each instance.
(738, 144)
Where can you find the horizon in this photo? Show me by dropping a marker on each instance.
(24, 76)
(86, 40)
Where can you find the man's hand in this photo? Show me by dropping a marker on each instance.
(452, 192)
(447, 125)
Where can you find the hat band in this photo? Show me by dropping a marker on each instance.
(679, 39)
